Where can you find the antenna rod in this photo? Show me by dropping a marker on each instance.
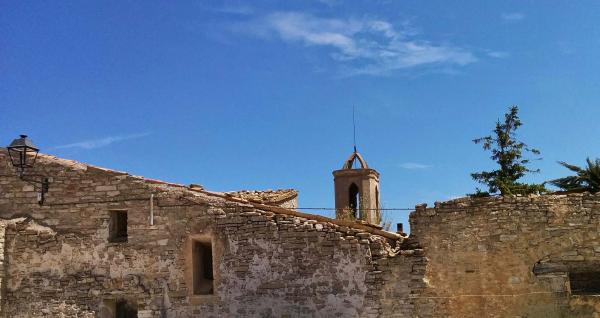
(354, 127)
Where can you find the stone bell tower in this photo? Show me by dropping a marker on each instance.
(357, 191)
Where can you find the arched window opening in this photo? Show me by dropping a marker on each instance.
(354, 200)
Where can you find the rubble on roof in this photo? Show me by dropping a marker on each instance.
(270, 197)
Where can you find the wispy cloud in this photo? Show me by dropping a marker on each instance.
(102, 142)
(413, 166)
(498, 54)
(512, 16)
(373, 47)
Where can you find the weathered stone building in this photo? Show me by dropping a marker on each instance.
(105, 243)
(108, 244)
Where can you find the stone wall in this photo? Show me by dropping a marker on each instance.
(269, 261)
(2, 268)
(491, 257)
(402, 293)
(509, 257)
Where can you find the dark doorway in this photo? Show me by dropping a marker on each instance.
(203, 268)
(354, 201)
(125, 309)
(585, 283)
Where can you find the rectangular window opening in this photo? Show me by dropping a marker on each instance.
(125, 309)
(118, 227)
(585, 283)
(203, 268)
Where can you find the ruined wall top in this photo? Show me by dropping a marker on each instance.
(495, 203)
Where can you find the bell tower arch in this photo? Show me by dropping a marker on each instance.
(357, 191)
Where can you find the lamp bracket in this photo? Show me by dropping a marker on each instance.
(37, 180)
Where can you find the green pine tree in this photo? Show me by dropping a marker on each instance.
(507, 151)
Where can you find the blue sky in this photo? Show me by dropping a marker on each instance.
(259, 95)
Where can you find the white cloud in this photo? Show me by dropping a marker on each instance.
(498, 54)
(413, 166)
(513, 16)
(372, 47)
(102, 142)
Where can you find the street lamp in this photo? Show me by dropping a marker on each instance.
(23, 154)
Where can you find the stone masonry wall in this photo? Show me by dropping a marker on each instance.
(492, 257)
(404, 284)
(511, 256)
(268, 263)
(2, 268)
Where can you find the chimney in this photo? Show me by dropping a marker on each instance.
(400, 229)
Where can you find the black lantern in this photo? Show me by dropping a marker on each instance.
(23, 154)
